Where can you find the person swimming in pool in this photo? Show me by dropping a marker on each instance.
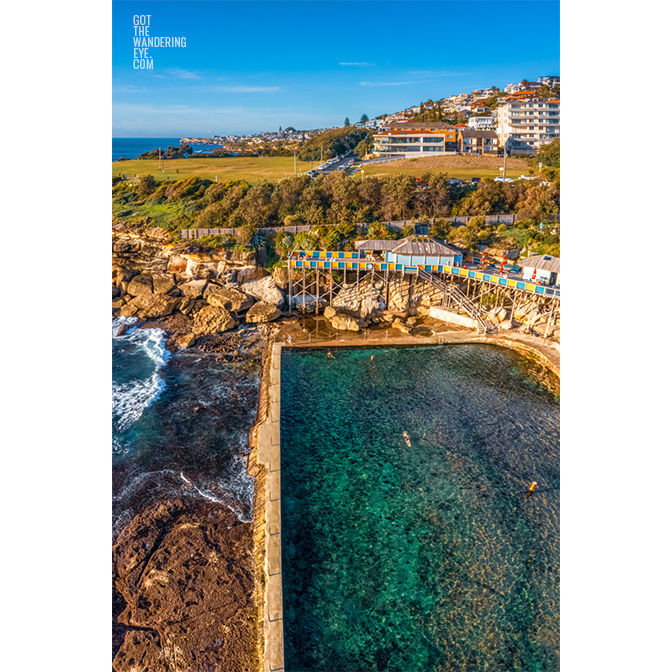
(330, 355)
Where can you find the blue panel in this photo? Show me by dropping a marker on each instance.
(471, 274)
(341, 264)
(313, 264)
(538, 290)
(399, 267)
(501, 281)
(486, 277)
(432, 261)
(520, 285)
(341, 255)
(549, 291)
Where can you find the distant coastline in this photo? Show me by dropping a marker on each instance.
(131, 148)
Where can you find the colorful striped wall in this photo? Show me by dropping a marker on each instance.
(321, 260)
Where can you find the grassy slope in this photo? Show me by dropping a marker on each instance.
(255, 169)
(462, 167)
(252, 169)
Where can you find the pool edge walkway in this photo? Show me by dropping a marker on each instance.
(268, 442)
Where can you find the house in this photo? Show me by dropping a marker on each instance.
(412, 251)
(542, 268)
(482, 143)
(411, 138)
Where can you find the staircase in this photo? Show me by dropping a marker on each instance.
(485, 322)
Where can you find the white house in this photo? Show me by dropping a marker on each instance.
(542, 268)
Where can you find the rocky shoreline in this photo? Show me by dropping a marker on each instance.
(184, 572)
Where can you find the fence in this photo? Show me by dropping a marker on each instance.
(490, 220)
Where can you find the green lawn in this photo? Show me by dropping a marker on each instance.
(252, 169)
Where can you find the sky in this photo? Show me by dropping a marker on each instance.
(254, 66)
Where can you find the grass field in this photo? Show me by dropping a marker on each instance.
(252, 169)
(462, 167)
(273, 168)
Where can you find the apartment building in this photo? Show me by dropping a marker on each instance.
(482, 123)
(482, 143)
(412, 138)
(525, 124)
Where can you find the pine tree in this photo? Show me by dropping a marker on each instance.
(346, 122)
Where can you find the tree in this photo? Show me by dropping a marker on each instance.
(147, 185)
(549, 154)
(280, 129)
(364, 118)
(346, 122)
(362, 149)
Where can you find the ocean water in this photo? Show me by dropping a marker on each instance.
(425, 558)
(131, 148)
(180, 425)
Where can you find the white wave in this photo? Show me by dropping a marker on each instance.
(129, 400)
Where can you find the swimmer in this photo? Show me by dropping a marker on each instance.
(372, 356)
(330, 355)
(531, 490)
(407, 439)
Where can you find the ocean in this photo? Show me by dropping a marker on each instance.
(131, 148)
(424, 558)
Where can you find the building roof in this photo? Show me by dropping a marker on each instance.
(411, 245)
(376, 245)
(544, 262)
(441, 125)
(469, 133)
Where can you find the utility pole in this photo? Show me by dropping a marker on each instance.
(504, 180)
(321, 148)
(294, 162)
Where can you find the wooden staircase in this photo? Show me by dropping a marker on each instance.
(484, 322)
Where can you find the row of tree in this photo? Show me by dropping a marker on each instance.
(338, 199)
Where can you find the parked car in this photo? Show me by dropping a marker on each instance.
(474, 180)
(503, 179)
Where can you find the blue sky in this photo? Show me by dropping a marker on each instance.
(253, 66)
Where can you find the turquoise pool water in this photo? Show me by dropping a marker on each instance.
(429, 557)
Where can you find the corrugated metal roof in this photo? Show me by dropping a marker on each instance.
(375, 245)
(429, 247)
(543, 262)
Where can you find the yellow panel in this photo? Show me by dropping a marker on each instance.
(511, 283)
(464, 271)
(479, 276)
(529, 288)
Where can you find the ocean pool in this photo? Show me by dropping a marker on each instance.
(425, 558)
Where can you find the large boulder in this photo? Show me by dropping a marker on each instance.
(140, 284)
(163, 283)
(262, 312)
(185, 341)
(329, 312)
(265, 290)
(122, 275)
(157, 233)
(230, 299)
(193, 289)
(154, 305)
(344, 322)
(212, 320)
(177, 264)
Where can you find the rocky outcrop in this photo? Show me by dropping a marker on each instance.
(344, 322)
(150, 306)
(193, 289)
(212, 320)
(163, 283)
(185, 341)
(140, 284)
(362, 299)
(228, 298)
(265, 290)
(262, 312)
(186, 575)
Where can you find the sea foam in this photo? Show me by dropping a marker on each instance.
(129, 400)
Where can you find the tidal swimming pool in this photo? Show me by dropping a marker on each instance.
(424, 558)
